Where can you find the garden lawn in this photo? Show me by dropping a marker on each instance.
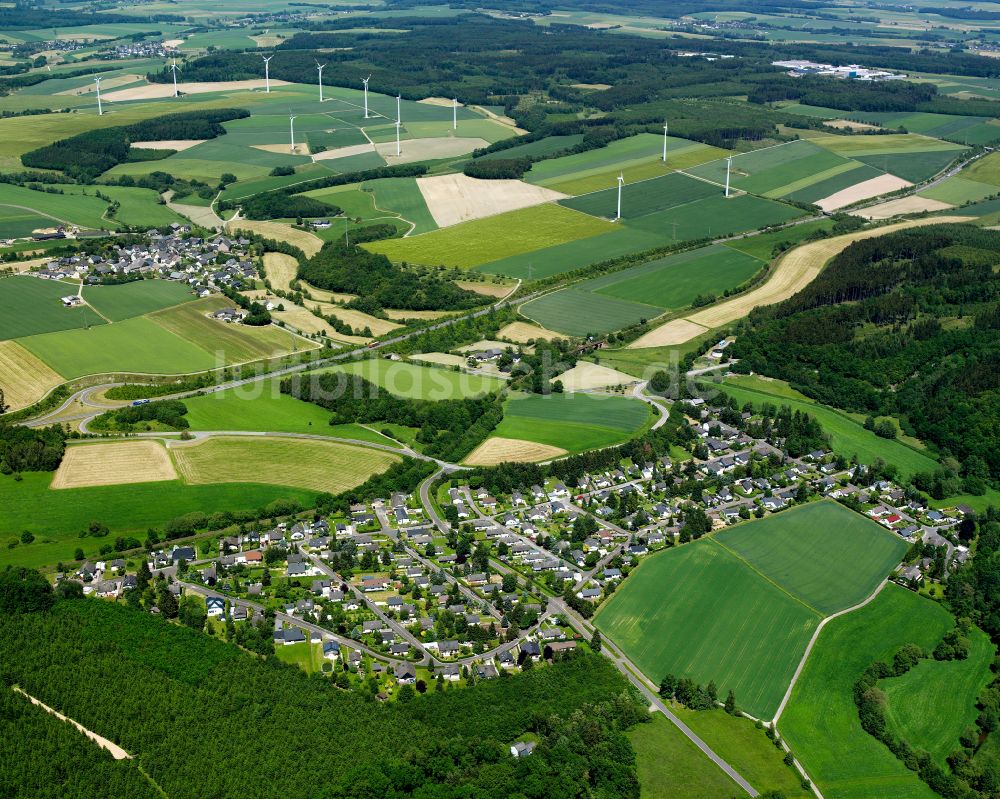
(30, 305)
(419, 382)
(56, 517)
(823, 554)
(821, 723)
(484, 240)
(135, 345)
(699, 611)
(935, 702)
(847, 437)
(139, 297)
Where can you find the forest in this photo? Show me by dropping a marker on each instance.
(349, 269)
(169, 413)
(449, 428)
(904, 325)
(27, 449)
(205, 720)
(87, 155)
(285, 204)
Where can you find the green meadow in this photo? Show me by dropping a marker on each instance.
(30, 306)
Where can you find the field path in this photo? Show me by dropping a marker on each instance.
(116, 751)
(796, 270)
(812, 641)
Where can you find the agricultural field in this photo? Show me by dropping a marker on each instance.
(56, 517)
(848, 437)
(124, 301)
(22, 210)
(935, 702)
(672, 617)
(573, 422)
(418, 382)
(485, 240)
(821, 722)
(623, 298)
(299, 463)
(645, 197)
(908, 156)
(23, 377)
(714, 217)
(118, 463)
(30, 305)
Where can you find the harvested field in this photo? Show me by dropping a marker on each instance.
(343, 152)
(168, 144)
(456, 198)
(280, 269)
(483, 344)
(848, 124)
(497, 290)
(302, 463)
(359, 320)
(413, 150)
(444, 102)
(498, 450)
(862, 191)
(156, 91)
(301, 319)
(86, 465)
(793, 272)
(586, 375)
(108, 83)
(326, 296)
(307, 242)
(442, 358)
(904, 205)
(525, 332)
(24, 378)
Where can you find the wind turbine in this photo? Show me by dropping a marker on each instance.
(454, 114)
(729, 166)
(621, 182)
(100, 111)
(267, 72)
(291, 127)
(173, 68)
(399, 121)
(365, 81)
(319, 69)
(666, 132)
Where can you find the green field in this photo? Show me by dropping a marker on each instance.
(714, 217)
(20, 223)
(820, 189)
(126, 300)
(984, 170)
(56, 517)
(821, 723)
(958, 190)
(823, 554)
(29, 306)
(574, 422)
(912, 166)
(762, 245)
(847, 437)
(542, 147)
(485, 240)
(401, 196)
(670, 765)
(932, 704)
(58, 208)
(738, 608)
(646, 197)
(641, 292)
(419, 382)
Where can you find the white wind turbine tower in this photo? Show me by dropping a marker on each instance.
(399, 121)
(319, 69)
(267, 72)
(729, 166)
(291, 129)
(173, 68)
(365, 81)
(100, 111)
(621, 182)
(454, 114)
(666, 132)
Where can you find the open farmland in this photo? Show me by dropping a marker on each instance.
(300, 463)
(821, 722)
(52, 208)
(114, 464)
(419, 382)
(29, 305)
(796, 269)
(484, 240)
(622, 298)
(23, 377)
(716, 216)
(496, 450)
(139, 297)
(280, 269)
(456, 198)
(672, 617)
(645, 197)
(56, 517)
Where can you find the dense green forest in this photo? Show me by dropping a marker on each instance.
(907, 325)
(449, 428)
(349, 269)
(87, 155)
(205, 720)
(27, 449)
(169, 413)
